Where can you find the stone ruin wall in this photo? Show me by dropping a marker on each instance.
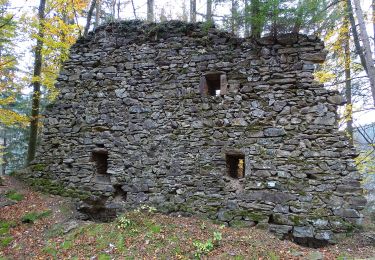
(133, 92)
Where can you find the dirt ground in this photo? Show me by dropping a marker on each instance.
(41, 226)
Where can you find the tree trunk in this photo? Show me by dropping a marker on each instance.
(88, 20)
(246, 19)
(113, 12)
(348, 85)
(134, 13)
(373, 21)
(97, 14)
(118, 9)
(34, 121)
(355, 34)
(366, 47)
(4, 164)
(150, 11)
(193, 11)
(256, 26)
(234, 18)
(209, 11)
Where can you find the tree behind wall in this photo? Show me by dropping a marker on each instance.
(209, 17)
(193, 11)
(89, 16)
(366, 47)
(34, 120)
(235, 16)
(56, 32)
(150, 10)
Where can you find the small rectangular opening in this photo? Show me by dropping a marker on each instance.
(100, 157)
(235, 165)
(214, 84)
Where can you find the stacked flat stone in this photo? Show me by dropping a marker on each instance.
(133, 89)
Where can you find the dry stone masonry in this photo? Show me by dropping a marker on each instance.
(192, 120)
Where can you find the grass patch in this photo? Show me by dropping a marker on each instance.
(51, 250)
(55, 231)
(5, 241)
(67, 244)
(5, 227)
(5, 238)
(155, 229)
(13, 195)
(31, 217)
(272, 256)
(104, 257)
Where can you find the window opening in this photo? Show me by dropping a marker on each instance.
(100, 157)
(120, 194)
(214, 84)
(235, 165)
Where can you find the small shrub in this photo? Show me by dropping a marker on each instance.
(202, 248)
(123, 222)
(31, 217)
(206, 247)
(217, 237)
(147, 208)
(13, 195)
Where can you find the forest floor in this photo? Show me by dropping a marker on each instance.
(41, 226)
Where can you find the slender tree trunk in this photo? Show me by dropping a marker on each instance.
(4, 164)
(348, 84)
(366, 47)
(246, 19)
(89, 16)
(134, 13)
(256, 26)
(34, 121)
(209, 11)
(355, 34)
(185, 15)
(118, 9)
(150, 11)
(193, 11)
(97, 13)
(373, 21)
(113, 11)
(234, 18)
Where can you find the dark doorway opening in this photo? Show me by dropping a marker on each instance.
(235, 165)
(100, 157)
